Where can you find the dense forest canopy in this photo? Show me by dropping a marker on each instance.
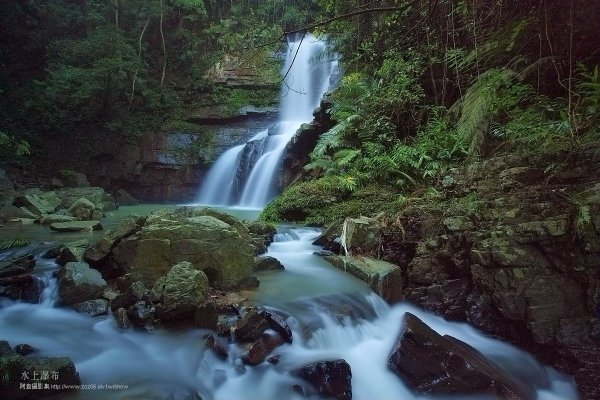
(72, 70)
(428, 82)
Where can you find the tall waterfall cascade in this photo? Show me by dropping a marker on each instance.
(246, 175)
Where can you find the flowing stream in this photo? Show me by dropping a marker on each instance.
(246, 175)
(332, 315)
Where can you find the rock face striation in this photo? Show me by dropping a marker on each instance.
(512, 248)
(431, 363)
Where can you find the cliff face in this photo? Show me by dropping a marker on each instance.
(511, 246)
(297, 152)
(168, 166)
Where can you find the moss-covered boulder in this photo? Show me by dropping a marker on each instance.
(149, 248)
(182, 290)
(77, 283)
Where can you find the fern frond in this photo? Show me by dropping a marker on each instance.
(332, 139)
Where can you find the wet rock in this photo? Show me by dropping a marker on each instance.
(166, 238)
(261, 233)
(141, 315)
(82, 209)
(122, 319)
(260, 349)
(278, 324)
(265, 229)
(25, 349)
(76, 226)
(331, 233)
(361, 235)
(383, 278)
(92, 308)
(329, 378)
(267, 263)
(431, 363)
(251, 326)
(97, 255)
(185, 288)
(19, 369)
(72, 252)
(27, 288)
(18, 265)
(77, 283)
(324, 253)
(206, 316)
(216, 347)
(102, 201)
(224, 329)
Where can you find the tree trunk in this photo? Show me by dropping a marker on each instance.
(164, 47)
(137, 68)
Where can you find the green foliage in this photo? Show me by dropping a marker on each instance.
(481, 103)
(12, 243)
(21, 147)
(326, 200)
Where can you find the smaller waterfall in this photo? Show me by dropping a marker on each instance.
(246, 175)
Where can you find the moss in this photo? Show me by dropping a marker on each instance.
(324, 201)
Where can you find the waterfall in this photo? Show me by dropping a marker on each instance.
(246, 175)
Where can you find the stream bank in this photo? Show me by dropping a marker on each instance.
(509, 245)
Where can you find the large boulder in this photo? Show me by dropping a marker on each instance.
(383, 277)
(27, 288)
(72, 252)
(183, 289)
(78, 283)
(435, 364)
(96, 255)
(82, 209)
(332, 379)
(102, 200)
(39, 203)
(17, 265)
(165, 239)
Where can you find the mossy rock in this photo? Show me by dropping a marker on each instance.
(223, 251)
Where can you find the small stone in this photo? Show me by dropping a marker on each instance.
(216, 347)
(92, 308)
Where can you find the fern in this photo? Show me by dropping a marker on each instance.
(333, 139)
(478, 107)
